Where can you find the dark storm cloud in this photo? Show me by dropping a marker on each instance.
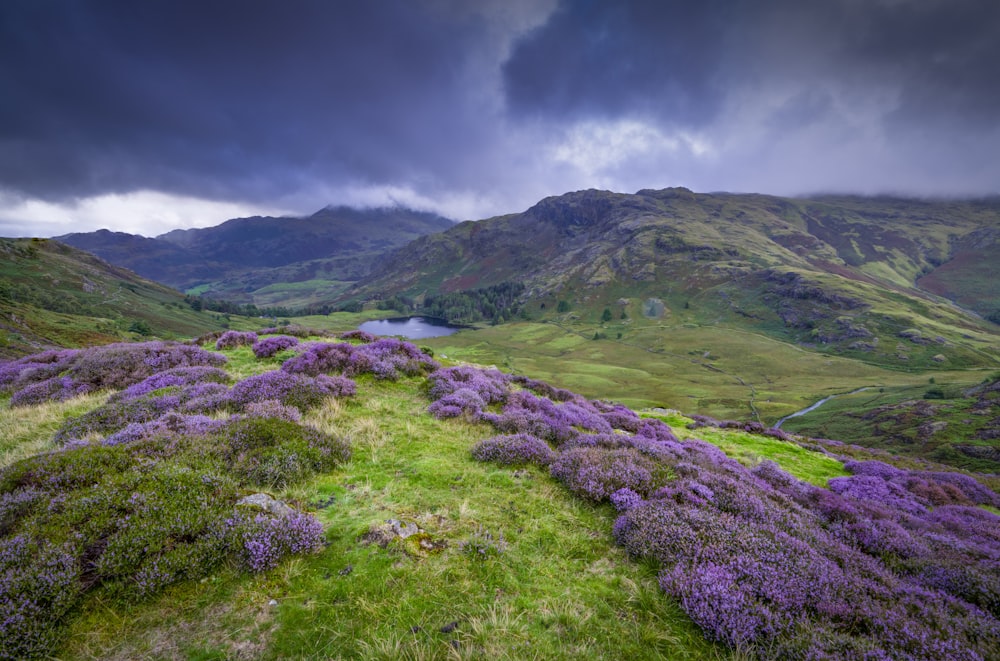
(483, 108)
(220, 98)
(613, 58)
(679, 62)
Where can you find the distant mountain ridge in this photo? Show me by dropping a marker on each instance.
(346, 240)
(852, 275)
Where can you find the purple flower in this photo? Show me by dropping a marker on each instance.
(514, 450)
(269, 346)
(232, 339)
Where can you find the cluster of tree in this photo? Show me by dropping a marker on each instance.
(495, 304)
(199, 303)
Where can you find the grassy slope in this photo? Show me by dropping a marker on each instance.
(707, 370)
(354, 600)
(559, 588)
(900, 419)
(51, 294)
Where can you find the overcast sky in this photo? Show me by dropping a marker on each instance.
(144, 116)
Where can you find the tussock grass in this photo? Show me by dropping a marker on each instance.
(27, 430)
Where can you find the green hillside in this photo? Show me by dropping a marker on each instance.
(264, 260)
(52, 295)
(838, 276)
(422, 551)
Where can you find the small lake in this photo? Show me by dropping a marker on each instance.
(412, 328)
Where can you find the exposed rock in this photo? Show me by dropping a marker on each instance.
(267, 503)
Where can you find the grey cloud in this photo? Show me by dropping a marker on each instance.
(229, 98)
(264, 102)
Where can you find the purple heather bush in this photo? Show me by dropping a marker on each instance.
(39, 584)
(527, 413)
(463, 401)
(272, 408)
(386, 358)
(56, 389)
(269, 346)
(166, 426)
(178, 376)
(232, 339)
(107, 419)
(121, 365)
(57, 375)
(262, 541)
(302, 392)
(19, 373)
(490, 385)
(596, 473)
(364, 337)
(544, 389)
(625, 499)
(514, 450)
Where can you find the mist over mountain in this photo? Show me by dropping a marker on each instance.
(346, 240)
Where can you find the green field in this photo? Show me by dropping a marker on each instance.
(714, 371)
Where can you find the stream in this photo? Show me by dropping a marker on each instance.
(815, 406)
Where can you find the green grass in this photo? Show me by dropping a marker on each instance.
(26, 431)
(717, 371)
(359, 600)
(901, 420)
(752, 449)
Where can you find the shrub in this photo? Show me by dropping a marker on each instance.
(232, 339)
(178, 376)
(269, 346)
(296, 390)
(271, 452)
(514, 450)
(596, 473)
(120, 365)
(489, 385)
(386, 358)
(364, 337)
(463, 401)
(19, 373)
(56, 389)
(261, 541)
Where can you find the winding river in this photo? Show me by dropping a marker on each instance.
(815, 406)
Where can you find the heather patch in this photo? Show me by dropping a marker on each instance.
(886, 563)
(178, 376)
(117, 366)
(363, 337)
(270, 346)
(60, 375)
(56, 389)
(490, 386)
(596, 473)
(153, 504)
(386, 358)
(16, 374)
(273, 453)
(302, 392)
(514, 450)
(232, 339)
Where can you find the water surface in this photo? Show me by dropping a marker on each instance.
(412, 328)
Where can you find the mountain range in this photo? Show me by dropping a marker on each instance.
(241, 256)
(890, 281)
